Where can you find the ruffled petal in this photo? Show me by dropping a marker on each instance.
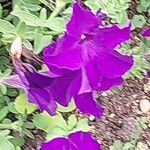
(100, 63)
(86, 104)
(75, 141)
(82, 21)
(43, 99)
(107, 83)
(65, 87)
(56, 144)
(110, 37)
(67, 54)
(14, 81)
(83, 141)
(113, 64)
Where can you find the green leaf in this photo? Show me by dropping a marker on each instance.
(17, 141)
(27, 44)
(12, 92)
(143, 121)
(4, 132)
(27, 17)
(8, 38)
(70, 107)
(145, 3)
(72, 121)
(22, 105)
(55, 24)
(3, 113)
(138, 21)
(11, 107)
(7, 72)
(43, 14)
(6, 27)
(40, 41)
(5, 144)
(68, 1)
(32, 7)
(92, 5)
(117, 145)
(29, 125)
(21, 29)
(56, 132)
(28, 133)
(128, 146)
(60, 121)
(6, 121)
(44, 121)
(1, 11)
(82, 125)
(3, 89)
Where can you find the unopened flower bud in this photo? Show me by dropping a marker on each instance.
(16, 47)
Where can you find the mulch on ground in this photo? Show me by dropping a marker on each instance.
(121, 110)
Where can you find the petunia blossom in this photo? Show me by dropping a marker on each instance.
(47, 89)
(75, 141)
(88, 46)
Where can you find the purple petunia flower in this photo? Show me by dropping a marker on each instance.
(147, 33)
(75, 141)
(45, 89)
(90, 47)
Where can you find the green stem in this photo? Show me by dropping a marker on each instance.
(5, 126)
(55, 12)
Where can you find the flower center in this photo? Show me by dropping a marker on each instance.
(83, 36)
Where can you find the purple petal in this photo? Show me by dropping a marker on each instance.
(113, 64)
(65, 87)
(37, 86)
(148, 73)
(39, 80)
(83, 141)
(42, 98)
(14, 81)
(20, 70)
(107, 83)
(75, 141)
(110, 37)
(92, 73)
(86, 104)
(102, 63)
(97, 80)
(85, 84)
(82, 21)
(67, 54)
(56, 144)
(147, 32)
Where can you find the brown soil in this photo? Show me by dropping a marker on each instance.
(121, 111)
(32, 144)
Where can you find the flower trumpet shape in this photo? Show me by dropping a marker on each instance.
(88, 46)
(47, 89)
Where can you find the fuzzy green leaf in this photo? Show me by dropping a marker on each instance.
(22, 105)
(6, 27)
